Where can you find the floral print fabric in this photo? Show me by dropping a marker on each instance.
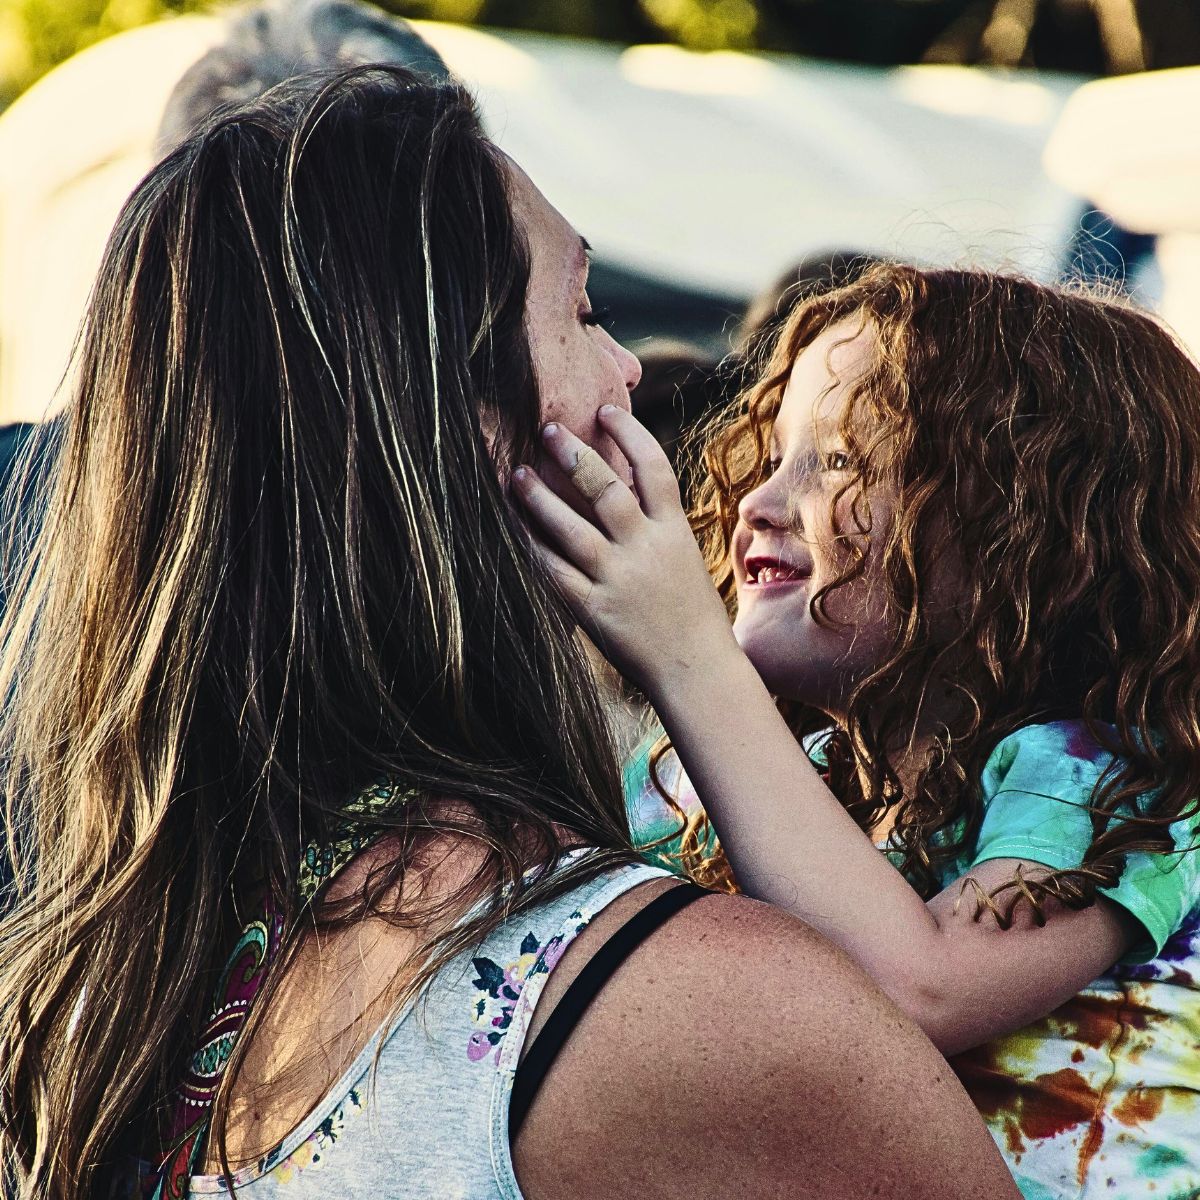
(499, 988)
(166, 1178)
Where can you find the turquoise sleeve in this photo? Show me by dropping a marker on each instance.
(1036, 786)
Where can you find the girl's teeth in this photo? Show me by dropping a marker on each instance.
(775, 574)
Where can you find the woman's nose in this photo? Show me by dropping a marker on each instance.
(631, 367)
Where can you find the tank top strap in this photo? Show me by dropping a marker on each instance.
(577, 911)
(584, 988)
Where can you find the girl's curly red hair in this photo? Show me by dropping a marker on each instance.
(1044, 444)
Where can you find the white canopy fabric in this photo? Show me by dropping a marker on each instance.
(1132, 146)
(718, 170)
(712, 171)
(71, 150)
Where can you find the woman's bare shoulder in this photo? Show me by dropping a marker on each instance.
(738, 1050)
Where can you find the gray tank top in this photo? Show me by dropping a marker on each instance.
(431, 1120)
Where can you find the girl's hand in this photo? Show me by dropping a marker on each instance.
(632, 573)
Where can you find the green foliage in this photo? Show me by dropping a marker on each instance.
(36, 35)
(1053, 34)
(706, 24)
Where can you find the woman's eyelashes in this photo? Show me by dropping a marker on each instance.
(601, 316)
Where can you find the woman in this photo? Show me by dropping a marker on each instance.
(297, 719)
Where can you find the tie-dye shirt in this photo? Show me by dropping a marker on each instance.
(1102, 1097)
(654, 824)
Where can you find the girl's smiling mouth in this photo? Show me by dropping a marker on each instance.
(766, 571)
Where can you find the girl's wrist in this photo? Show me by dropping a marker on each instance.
(711, 663)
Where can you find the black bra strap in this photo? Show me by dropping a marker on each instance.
(584, 989)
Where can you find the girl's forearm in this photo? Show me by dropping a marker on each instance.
(788, 839)
(792, 844)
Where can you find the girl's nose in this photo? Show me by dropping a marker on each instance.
(766, 507)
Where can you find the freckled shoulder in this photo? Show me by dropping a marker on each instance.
(737, 1029)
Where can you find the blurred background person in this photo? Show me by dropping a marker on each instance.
(264, 44)
(769, 310)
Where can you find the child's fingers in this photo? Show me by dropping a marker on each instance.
(578, 540)
(575, 586)
(652, 474)
(616, 507)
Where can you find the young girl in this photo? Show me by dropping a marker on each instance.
(958, 520)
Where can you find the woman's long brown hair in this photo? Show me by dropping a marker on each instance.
(277, 566)
(1043, 562)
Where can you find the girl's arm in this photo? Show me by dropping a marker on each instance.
(637, 582)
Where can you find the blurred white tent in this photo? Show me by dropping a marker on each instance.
(1131, 146)
(711, 171)
(71, 149)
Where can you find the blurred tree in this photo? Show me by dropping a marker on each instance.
(1171, 32)
(873, 31)
(1080, 35)
(1090, 36)
(707, 24)
(607, 20)
(37, 34)
(1062, 34)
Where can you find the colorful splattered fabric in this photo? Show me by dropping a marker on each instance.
(1102, 1097)
(655, 825)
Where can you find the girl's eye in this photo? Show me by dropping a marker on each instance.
(771, 466)
(837, 460)
(598, 316)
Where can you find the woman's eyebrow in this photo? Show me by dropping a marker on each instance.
(580, 262)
